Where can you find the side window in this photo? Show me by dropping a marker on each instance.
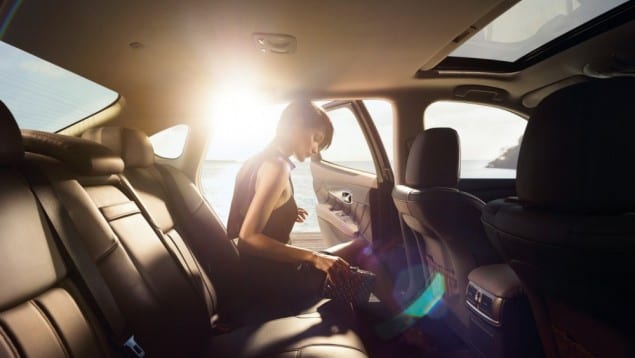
(169, 143)
(348, 147)
(490, 137)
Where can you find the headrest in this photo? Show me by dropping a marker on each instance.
(578, 151)
(83, 156)
(11, 149)
(130, 144)
(433, 160)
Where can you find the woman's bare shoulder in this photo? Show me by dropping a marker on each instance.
(275, 167)
(274, 170)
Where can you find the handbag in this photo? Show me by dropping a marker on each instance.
(356, 290)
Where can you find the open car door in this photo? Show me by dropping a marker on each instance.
(353, 180)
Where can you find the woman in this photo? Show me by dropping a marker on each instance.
(263, 213)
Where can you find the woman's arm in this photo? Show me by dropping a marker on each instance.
(272, 178)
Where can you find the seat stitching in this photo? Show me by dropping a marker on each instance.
(113, 246)
(7, 339)
(43, 312)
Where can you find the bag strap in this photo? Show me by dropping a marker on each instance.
(60, 217)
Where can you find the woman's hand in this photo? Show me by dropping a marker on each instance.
(301, 215)
(336, 268)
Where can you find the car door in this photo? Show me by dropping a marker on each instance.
(353, 180)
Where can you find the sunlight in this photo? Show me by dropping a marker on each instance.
(243, 122)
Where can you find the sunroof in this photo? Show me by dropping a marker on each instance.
(529, 25)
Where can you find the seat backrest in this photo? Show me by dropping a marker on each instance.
(570, 234)
(445, 220)
(42, 310)
(179, 209)
(156, 282)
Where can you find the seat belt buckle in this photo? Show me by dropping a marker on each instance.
(133, 346)
(218, 327)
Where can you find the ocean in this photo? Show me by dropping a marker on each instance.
(217, 185)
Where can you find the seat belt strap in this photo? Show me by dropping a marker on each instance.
(60, 218)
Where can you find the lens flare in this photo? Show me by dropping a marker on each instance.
(419, 308)
(9, 17)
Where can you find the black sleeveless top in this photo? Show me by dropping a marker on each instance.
(282, 218)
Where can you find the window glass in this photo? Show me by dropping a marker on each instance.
(46, 97)
(349, 147)
(530, 24)
(490, 137)
(169, 143)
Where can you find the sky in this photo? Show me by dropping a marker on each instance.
(255, 126)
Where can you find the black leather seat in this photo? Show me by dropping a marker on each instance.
(444, 220)
(178, 208)
(570, 234)
(43, 310)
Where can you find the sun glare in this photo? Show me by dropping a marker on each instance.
(243, 122)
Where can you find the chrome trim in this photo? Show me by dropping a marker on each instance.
(496, 304)
(483, 315)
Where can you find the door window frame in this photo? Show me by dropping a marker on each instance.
(383, 170)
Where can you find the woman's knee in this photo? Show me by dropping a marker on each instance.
(362, 250)
(360, 244)
(351, 250)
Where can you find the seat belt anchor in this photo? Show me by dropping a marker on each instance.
(136, 349)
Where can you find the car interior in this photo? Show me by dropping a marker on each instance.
(478, 148)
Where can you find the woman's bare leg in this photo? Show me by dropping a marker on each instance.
(359, 252)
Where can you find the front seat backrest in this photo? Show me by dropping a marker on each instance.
(570, 234)
(444, 220)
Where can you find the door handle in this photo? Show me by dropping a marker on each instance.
(347, 197)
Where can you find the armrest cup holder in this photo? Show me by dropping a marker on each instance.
(501, 322)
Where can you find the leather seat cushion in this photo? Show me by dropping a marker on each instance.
(329, 331)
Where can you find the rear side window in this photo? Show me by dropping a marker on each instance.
(490, 137)
(169, 143)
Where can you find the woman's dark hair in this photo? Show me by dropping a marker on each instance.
(304, 114)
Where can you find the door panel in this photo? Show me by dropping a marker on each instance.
(343, 202)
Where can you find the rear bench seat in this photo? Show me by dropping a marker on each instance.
(179, 209)
(42, 312)
(167, 300)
